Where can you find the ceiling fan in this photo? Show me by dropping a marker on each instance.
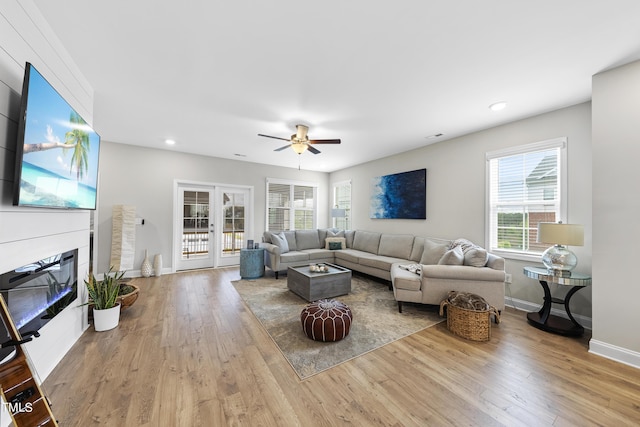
(300, 142)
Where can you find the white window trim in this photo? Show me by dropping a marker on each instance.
(561, 143)
(292, 210)
(333, 196)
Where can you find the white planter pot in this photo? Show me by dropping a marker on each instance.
(103, 320)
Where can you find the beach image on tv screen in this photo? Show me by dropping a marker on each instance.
(60, 152)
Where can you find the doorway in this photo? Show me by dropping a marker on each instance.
(212, 223)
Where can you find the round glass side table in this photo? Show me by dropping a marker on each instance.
(543, 319)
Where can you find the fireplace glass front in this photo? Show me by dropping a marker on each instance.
(35, 293)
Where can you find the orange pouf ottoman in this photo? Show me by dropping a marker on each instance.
(326, 320)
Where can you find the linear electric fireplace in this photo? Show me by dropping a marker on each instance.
(35, 293)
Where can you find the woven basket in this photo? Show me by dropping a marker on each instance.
(128, 299)
(474, 325)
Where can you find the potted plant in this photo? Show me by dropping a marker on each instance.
(103, 296)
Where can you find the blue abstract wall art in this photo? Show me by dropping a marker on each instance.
(399, 196)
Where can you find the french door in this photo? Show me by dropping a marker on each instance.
(194, 241)
(211, 224)
(234, 212)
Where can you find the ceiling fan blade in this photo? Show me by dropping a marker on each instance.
(283, 148)
(313, 149)
(324, 141)
(274, 137)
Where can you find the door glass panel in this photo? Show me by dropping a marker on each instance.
(195, 230)
(233, 223)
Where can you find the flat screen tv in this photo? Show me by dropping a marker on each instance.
(57, 151)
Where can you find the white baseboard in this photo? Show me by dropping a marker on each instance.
(603, 349)
(518, 304)
(613, 352)
(138, 273)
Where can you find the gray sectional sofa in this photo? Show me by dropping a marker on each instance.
(420, 269)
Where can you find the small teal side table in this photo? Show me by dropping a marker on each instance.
(251, 263)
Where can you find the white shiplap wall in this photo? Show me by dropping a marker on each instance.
(27, 235)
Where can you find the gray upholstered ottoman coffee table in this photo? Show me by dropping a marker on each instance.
(313, 286)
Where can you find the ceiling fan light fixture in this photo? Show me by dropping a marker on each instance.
(299, 147)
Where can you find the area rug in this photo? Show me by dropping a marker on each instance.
(376, 321)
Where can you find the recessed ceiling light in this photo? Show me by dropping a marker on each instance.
(170, 142)
(497, 106)
(437, 135)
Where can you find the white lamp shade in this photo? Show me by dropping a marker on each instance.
(338, 213)
(561, 234)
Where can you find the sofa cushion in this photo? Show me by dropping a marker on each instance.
(291, 257)
(379, 261)
(396, 245)
(367, 241)
(340, 241)
(308, 239)
(350, 255)
(403, 279)
(453, 256)
(417, 250)
(280, 240)
(434, 249)
(319, 253)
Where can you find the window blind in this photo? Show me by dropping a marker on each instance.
(524, 188)
(290, 204)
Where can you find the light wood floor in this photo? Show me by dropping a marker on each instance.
(190, 353)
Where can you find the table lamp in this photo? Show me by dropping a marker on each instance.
(338, 213)
(558, 259)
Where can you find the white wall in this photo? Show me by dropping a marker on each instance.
(456, 190)
(616, 209)
(27, 235)
(145, 177)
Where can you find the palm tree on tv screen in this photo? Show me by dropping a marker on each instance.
(79, 140)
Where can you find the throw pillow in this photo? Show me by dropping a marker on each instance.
(433, 251)
(334, 246)
(331, 233)
(453, 256)
(349, 235)
(474, 255)
(280, 240)
(341, 240)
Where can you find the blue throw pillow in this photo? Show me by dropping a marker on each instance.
(335, 246)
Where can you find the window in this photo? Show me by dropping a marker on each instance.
(291, 206)
(525, 185)
(342, 200)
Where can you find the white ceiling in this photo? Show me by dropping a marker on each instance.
(380, 75)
